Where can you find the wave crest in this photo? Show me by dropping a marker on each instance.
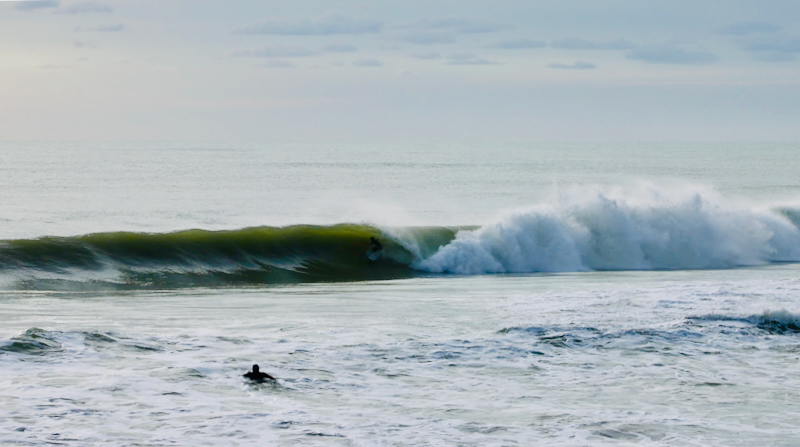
(773, 321)
(652, 229)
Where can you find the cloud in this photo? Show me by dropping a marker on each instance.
(428, 31)
(461, 56)
(747, 28)
(53, 67)
(276, 52)
(455, 25)
(468, 59)
(576, 66)
(102, 29)
(519, 44)
(473, 62)
(427, 56)
(583, 44)
(759, 39)
(780, 45)
(79, 44)
(328, 23)
(662, 54)
(85, 7)
(774, 57)
(36, 4)
(773, 48)
(368, 63)
(428, 38)
(277, 63)
(341, 48)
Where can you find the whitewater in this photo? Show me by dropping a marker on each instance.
(525, 294)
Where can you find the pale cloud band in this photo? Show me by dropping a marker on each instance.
(35, 4)
(328, 23)
(580, 65)
(583, 44)
(665, 54)
(83, 7)
(368, 63)
(277, 51)
(519, 44)
(748, 28)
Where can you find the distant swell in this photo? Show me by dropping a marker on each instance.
(647, 229)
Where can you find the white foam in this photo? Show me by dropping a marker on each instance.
(781, 317)
(688, 227)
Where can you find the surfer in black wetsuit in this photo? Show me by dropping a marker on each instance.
(375, 245)
(257, 376)
(375, 249)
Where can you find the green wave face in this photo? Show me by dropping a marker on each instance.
(200, 258)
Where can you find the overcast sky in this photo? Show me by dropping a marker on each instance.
(391, 70)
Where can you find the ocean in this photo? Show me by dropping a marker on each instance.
(526, 294)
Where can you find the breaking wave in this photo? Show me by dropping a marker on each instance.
(649, 229)
(779, 321)
(192, 258)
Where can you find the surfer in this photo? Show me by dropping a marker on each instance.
(257, 376)
(375, 245)
(375, 249)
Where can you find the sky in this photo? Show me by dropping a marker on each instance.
(390, 70)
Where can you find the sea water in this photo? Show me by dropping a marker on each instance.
(542, 294)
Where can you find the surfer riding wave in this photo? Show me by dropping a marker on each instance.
(375, 249)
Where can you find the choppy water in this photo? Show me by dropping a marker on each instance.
(614, 349)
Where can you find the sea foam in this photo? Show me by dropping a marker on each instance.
(651, 228)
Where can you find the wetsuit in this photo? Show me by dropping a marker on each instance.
(257, 376)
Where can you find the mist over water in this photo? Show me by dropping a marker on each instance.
(526, 294)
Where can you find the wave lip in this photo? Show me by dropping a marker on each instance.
(655, 229)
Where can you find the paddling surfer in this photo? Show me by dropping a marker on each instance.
(257, 376)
